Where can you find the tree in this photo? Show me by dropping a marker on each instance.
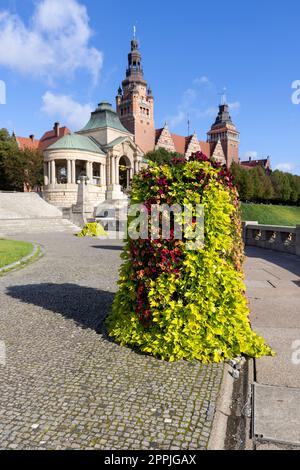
(281, 185)
(9, 152)
(19, 169)
(161, 156)
(33, 168)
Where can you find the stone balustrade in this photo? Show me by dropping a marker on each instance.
(273, 237)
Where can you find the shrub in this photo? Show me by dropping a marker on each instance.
(92, 229)
(179, 304)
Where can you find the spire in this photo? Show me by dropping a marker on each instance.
(223, 97)
(134, 59)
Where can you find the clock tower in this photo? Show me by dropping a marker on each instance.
(134, 102)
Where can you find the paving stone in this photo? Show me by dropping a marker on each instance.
(64, 374)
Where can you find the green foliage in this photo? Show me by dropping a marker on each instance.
(161, 156)
(9, 154)
(19, 169)
(178, 304)
(92, 229)
(257, 185)
(269, 214)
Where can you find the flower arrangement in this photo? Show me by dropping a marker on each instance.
(174, 303)
(92, 229)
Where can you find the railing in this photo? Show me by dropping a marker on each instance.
(273, 237)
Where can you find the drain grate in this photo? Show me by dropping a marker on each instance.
(276, 414)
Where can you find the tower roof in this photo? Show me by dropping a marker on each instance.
(104, 116)
(223, 116)
(134, 71)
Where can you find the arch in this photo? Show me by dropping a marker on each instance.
(125, 172)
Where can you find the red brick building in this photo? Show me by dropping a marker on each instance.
(135, 107)
(47, 139)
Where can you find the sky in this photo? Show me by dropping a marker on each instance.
(59, 59)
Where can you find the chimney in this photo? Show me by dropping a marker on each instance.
(31, 137)
(56, 129)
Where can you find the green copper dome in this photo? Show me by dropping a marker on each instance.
(76, 142)
(104, 116)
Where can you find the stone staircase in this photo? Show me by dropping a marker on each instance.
(112, 215)
(29, 213)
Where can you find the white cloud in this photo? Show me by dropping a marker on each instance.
(202, 80)
(66, 109)
(288, 167)
(55, 43)
(212, 112)
(188, 99)
(234, 106)
(193, 101)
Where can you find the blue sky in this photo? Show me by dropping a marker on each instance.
(60, 58)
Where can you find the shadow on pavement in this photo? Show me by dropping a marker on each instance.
(88, 307)
(109, 247)
(286, 261)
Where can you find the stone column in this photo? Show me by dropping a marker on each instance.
(103, 174)
(113, 170)
(53, 172)
(73, 171)
(69, 173)
(298, 240)
(46, 174)
(91, 171)
(117, 171)
(107, 170)
(128, 178)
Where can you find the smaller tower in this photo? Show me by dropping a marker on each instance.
(224, 131)
(135, 103)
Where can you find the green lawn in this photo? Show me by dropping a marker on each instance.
(11, 251)
(271, 215)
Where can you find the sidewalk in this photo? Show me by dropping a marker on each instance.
(273, 289)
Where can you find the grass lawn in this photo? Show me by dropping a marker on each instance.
(271, 215)
(11, 251)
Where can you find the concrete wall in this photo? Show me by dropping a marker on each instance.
(273, 237)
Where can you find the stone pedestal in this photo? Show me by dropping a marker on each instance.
(298, 240)
(115, 192)
(83, 209)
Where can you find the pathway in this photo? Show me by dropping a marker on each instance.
(273, 288)
(65, 385)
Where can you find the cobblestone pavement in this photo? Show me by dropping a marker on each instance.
(66, 385)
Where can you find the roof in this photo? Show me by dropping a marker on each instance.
(181, 143)
(205, 147)
(77, 142)
(264, 162)
(158, 134)
(27, 143)
(115, 142)
(50, 137)
(104, 116)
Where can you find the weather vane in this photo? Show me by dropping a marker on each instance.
(134, 32)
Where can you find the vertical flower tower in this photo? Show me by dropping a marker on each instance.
(174, 303)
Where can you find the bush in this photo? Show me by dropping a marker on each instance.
(179, 304)
(92, 229)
